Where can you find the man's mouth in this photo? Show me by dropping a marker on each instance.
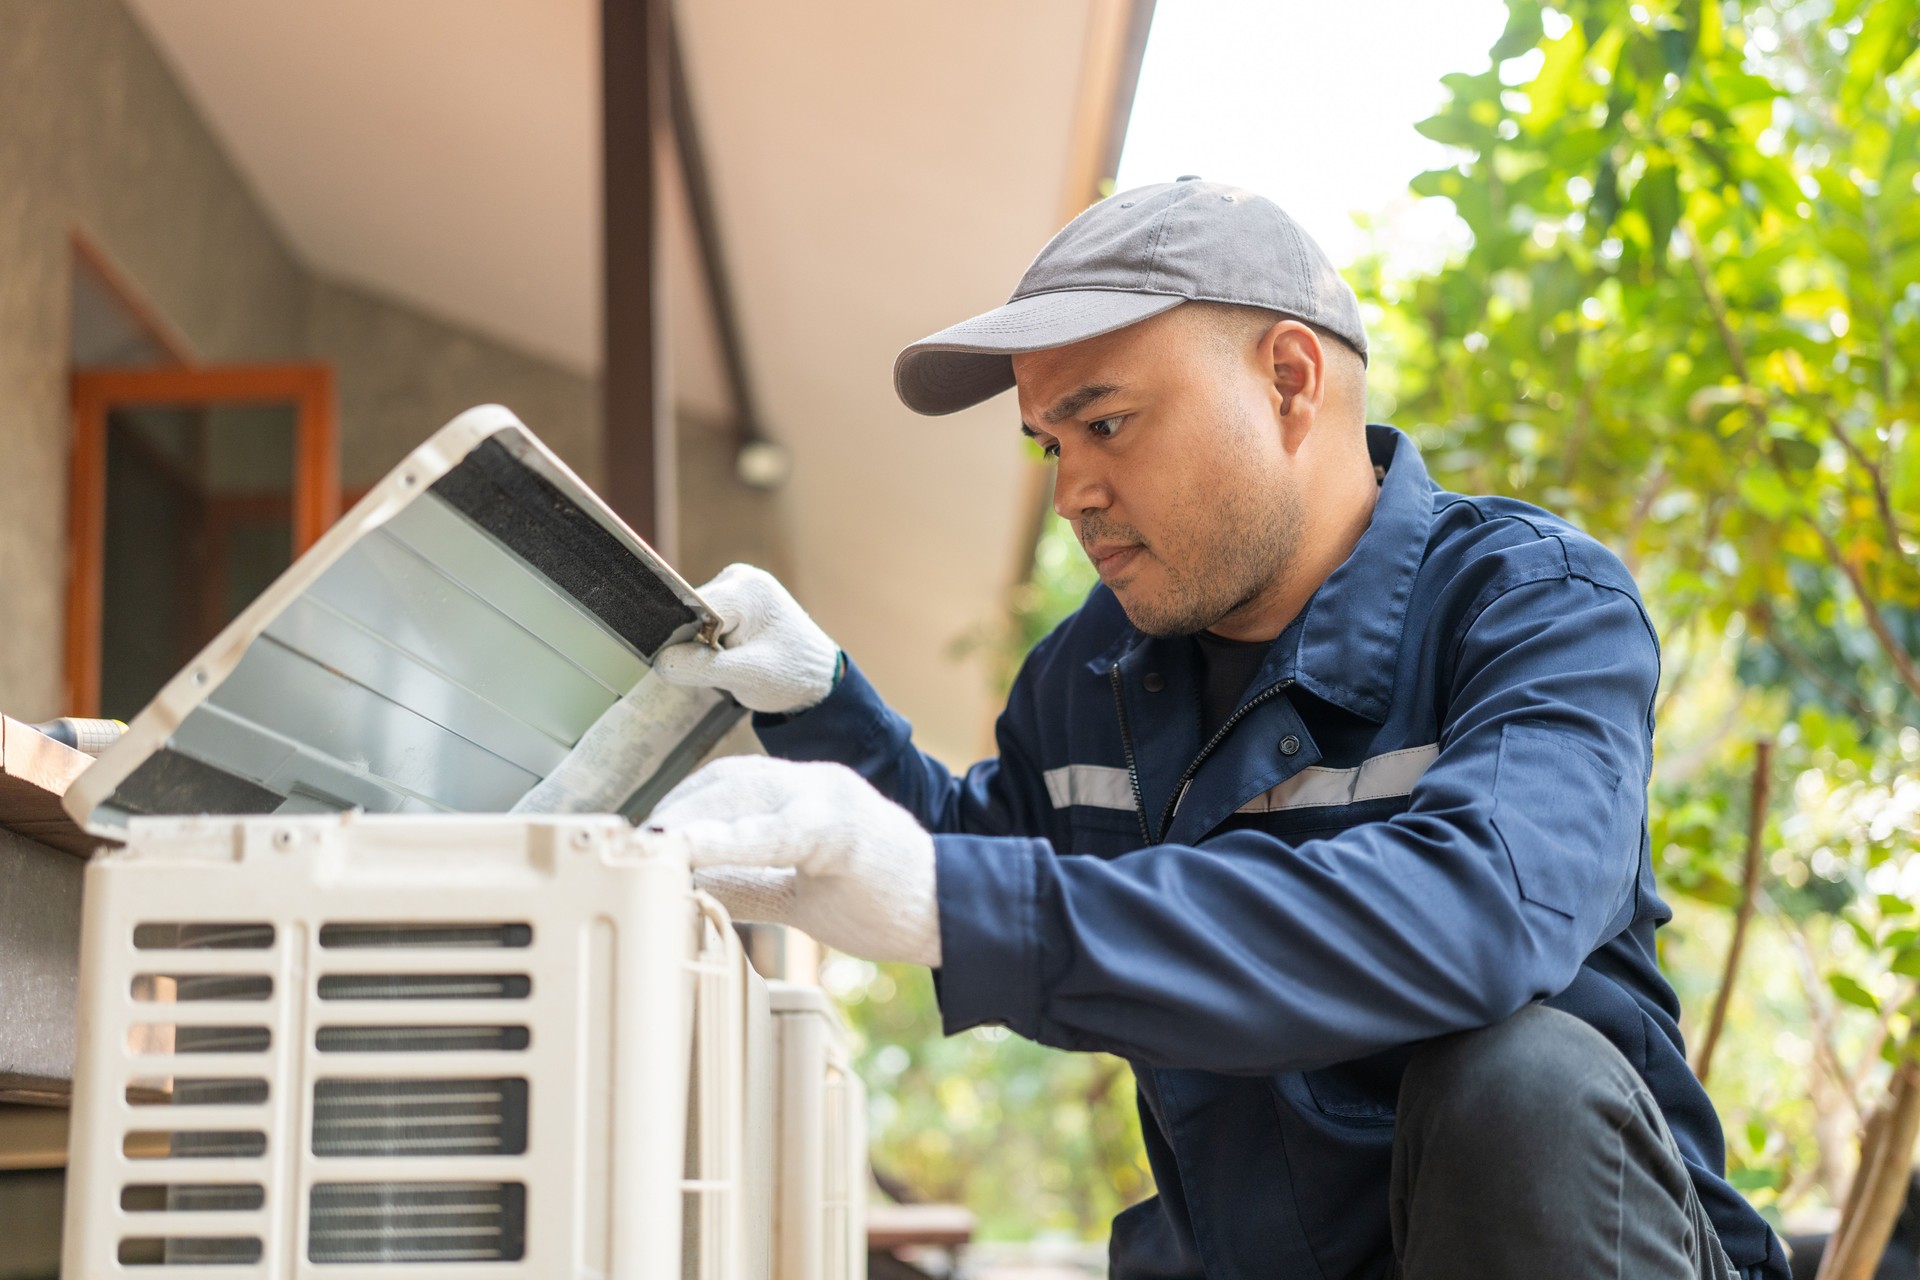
(1110, 558)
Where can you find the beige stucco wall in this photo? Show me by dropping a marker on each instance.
(403, 374)
(720, 519)
(95, 134)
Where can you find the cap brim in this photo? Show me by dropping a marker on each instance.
(972, 361)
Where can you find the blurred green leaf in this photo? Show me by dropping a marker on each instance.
(1849, 990)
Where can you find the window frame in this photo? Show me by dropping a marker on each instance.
(96, 393)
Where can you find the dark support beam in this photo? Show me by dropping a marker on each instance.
(633, 104)
(706, 227)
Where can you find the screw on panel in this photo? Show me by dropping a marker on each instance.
(582, 838)
(283, 840)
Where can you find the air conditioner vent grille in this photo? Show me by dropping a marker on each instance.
(417, 1222)
(318, 1046)
(419, 1117)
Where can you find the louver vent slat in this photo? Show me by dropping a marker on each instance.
(168, 1037)
(196, 1091)
(417, 1222)
(207, 1144)
(425, 986)
(168, 988)
(192, 1197)
(378, 1039)
(189, 1251)
(419, 1117)
(370, 934)
(174, 936)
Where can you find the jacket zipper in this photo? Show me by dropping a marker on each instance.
(1126, 740)
(1180, 791)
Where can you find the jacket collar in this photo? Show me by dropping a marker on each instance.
(1349, 638)
(1344, 645)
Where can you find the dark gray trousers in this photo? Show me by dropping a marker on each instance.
(1531, 1150)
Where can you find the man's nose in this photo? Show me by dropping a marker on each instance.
(1079, 486)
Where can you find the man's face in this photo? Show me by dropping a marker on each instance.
(1171, 466)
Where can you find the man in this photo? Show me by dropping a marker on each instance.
(1327, 809)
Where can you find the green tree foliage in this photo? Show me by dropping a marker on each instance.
(1689, 318)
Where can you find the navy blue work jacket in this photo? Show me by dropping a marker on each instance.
(1428, 811)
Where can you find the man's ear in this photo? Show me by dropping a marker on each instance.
(1299, 364)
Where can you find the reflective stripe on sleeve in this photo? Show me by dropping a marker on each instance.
(1378, 778)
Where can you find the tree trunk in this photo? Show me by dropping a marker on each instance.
(1880, 1187)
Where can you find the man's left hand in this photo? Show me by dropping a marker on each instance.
(811, 845)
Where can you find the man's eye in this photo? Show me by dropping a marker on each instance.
(1105, 427)
(1051, 450)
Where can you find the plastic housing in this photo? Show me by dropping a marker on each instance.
(819, 1216)
(364, 1047)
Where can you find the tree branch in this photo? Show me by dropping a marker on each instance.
(1716, 307)
(1743, 917)
(1870, 1052)
(1903, 663)
(1806, 666)
(1807, 969)
(1877, 480)
(1642, 508)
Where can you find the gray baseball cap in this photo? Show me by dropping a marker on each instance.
(1132, 256)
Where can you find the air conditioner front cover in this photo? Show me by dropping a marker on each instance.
(475, 636)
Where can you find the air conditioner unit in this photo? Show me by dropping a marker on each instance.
(819, 1210)
(400, 1024)
(366, 1047)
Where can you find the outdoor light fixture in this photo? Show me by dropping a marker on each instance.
(762, 464)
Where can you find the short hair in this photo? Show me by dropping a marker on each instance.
(1232, 325)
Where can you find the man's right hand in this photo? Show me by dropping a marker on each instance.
(772, 656)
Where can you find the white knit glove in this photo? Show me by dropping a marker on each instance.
(772, 656)
(811, 845)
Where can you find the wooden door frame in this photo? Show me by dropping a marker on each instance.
(96, 392)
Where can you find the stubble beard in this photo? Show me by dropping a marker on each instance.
(1243, 545)
(1246, 544)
